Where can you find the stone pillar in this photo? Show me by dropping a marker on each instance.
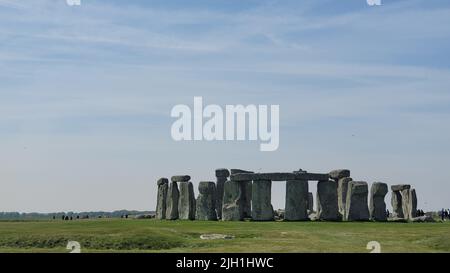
(356, 205)
(222, 176)
(206, 201)
(327, 203)
(310, 202)
(297, 194)
(186, 204)
(397, 200)
(246, 194)
(161, 203)
(377, 206)
(409, 203)
(232, 208)
(262, 209)
(172, 202)
(342, 193)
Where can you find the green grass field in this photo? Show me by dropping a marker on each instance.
(184, 236)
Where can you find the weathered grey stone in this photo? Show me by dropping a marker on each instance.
(220, 182)
(397, 206)
(413, 203)
(186, 203)
(246, 198)
(232, 207)
(356, 205)
(161, 201)
(278, 176)
(181, 178)
(327, 203)
(310, 202)
(342, 193)
(400, 187)
(423, 219)
(206, 207)
(377, 205)
(222, 173)
(162, 181)
(172, 202)
(236, 171)
(262, 209)
(338, 174)
(409, 203)
(297, 196)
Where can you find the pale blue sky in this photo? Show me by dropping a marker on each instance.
(86, 94)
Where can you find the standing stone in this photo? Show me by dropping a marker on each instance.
(327, 203)
(409, 203)
(356, 205)
(297, 197)
(206, 201)
(161, 203)
(397, 200)
(377, 206)
(222, 176)
(342, 193)
(338, 174)
(246, 194)
(310, 202)
(232, 207)
(172, 202)
(262, 209)
(186, 204)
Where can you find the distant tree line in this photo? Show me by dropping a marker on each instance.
(74, 215)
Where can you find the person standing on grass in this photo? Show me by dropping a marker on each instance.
(442, 214)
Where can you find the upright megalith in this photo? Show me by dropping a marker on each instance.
(327, 203)
(232, 206)
(172, 202)
(356, 205)
(186, 203)
(297, 200)
(206, 202)
(246, 193)
(342, 193)
(409, 203)
(161, 201)
(310, 202)
(262, 209)
(221, 176)
(397, 200)
(338, 174)
(377, 205)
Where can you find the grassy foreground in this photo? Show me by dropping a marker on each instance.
(184, 236)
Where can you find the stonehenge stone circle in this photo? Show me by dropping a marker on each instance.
(338, 174)
(342, 193)
(262, 209)
(172, 202)
(239, 194)
(232, 208)
(297, 200)
(186, 203)
(327, 203)
(356, 205)
(206, 202)
(377, 205)
(161, 201)
(181, 178)
(221, 177)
